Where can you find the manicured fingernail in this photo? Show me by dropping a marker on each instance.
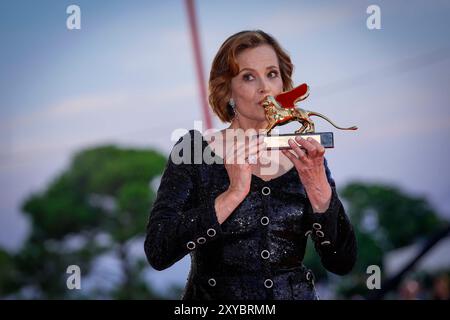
(310, 139)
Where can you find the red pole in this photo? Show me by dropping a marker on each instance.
(198, 62)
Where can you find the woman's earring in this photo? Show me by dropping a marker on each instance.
(233, 106)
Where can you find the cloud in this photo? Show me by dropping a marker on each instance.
(87, 120)
(288, 22)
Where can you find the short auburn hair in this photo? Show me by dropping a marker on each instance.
(225, 67)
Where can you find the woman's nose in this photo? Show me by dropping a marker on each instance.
(263, 87)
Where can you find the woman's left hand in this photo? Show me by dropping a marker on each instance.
(311, 170)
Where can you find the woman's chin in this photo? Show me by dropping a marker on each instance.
(259, 119)
(259, 116)
(256, 117)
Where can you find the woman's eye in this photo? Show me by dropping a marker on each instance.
(248, 77)
(273, 74)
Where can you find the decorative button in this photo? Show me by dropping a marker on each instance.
(319, 233)
(268, 283)
(317, 226)
(307, 233)
(212, 282)
(326, 242)
(190, 245)
(201, 240)
(265, 191)
(265, 254)
(211, 232)
(265, 221)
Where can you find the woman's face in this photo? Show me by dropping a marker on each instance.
(259, 76)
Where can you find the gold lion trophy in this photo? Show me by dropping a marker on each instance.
(281, 109)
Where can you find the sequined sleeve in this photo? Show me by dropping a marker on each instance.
(178, 223)
(333, 234)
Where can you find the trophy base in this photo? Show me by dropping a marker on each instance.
(281, 141)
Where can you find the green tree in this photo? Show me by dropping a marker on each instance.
(397, 219)
(98, 206)
(385, 218)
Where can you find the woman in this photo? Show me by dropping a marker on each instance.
(244, 223)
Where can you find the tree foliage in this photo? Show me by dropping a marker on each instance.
(98, 206)
(384, 218)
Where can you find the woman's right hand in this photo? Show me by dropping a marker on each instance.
(239, 162)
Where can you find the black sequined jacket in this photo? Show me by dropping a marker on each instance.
(257, 252)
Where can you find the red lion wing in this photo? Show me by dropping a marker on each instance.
(288, 99)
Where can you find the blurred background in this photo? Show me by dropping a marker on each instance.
(87, 121)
